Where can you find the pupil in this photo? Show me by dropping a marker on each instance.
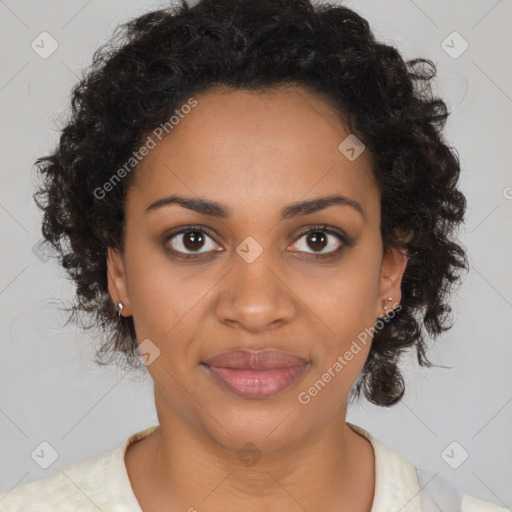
(191, 238)
(314, 237)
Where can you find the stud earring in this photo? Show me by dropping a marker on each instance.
(120, 308)
(385, 307)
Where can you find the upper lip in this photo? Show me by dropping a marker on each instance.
(255, 359)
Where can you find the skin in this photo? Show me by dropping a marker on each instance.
(254, 152)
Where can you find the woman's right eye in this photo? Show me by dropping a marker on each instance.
(191, 239)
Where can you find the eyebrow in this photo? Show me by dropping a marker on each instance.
(214, 209)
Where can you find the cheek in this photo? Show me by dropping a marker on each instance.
(344, 301)
(167, 300)
(155, 288)
(346, 310)
(345, 297)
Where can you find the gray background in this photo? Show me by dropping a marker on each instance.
(51, 391)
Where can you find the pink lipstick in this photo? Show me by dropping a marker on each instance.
(256, 374)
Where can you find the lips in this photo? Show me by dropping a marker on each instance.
(256, 374)
(267, 359)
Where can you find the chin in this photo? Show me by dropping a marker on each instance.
(270, 426)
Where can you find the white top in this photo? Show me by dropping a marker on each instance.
(102, 483)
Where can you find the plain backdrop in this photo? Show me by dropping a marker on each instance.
(50, 390)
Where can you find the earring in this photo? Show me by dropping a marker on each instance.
(120, 306)
(385, 307)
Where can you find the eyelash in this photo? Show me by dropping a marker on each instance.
(345, 241)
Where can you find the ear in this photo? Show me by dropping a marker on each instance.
(116, 275)
(393, 268)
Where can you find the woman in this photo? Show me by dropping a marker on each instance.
(260, 211)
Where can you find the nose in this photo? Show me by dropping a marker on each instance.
(255, 296)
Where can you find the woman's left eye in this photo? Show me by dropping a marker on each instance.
(318, 238)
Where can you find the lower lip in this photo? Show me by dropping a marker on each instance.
(256, 383)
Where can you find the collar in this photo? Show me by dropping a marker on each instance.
(396, 481)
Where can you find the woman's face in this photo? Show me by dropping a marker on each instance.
(253, 279)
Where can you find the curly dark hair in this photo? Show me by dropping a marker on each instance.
(153, 62)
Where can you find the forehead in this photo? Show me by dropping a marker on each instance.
(251, 149)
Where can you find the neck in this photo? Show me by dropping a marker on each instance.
(331, 469)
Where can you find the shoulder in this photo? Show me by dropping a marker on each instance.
(398, 483)
(77, 487)
(97, 483)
